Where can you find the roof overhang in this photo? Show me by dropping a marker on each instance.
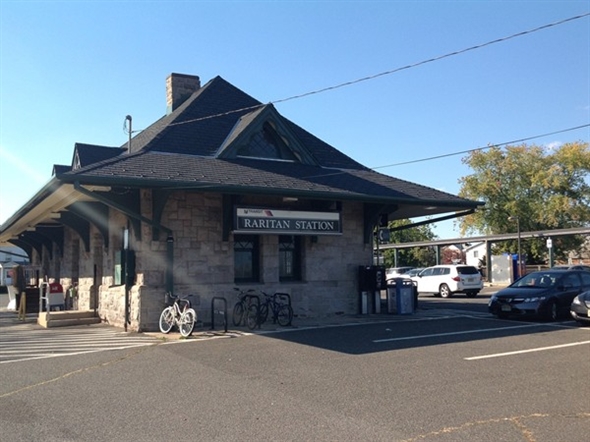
(61, 192)
(41, 209)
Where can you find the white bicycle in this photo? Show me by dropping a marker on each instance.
(179, 314)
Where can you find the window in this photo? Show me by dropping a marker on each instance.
(427, 272)
(267, 143)
(289, 258)
(467, 270)
(246, 258)
(571, 281)
(124, 272)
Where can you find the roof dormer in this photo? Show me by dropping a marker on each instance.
(263, 134)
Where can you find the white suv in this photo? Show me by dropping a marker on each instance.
(446, 280)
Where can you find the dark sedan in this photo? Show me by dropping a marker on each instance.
(546, 294)
(580, 308)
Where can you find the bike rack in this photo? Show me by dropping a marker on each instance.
(214, 312)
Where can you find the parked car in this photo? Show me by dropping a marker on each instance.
(446, 280)
(580, 308)
(396, 272)
(408, 274)
(546, 294)
(412, 272)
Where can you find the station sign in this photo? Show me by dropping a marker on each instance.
(287, 222)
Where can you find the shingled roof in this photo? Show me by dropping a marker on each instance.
(199, 146)
(220, 139)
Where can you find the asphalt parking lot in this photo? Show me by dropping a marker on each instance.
(450, 372)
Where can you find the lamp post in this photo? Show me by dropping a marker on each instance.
(515, 218)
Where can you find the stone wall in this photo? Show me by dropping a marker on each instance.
(203, 263)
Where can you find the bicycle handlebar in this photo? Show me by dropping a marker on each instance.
(171, 298)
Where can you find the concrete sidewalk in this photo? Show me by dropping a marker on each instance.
(204, 331)
(203, 328)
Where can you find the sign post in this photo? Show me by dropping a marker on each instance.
(550, 248)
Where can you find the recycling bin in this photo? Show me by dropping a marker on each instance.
(401, 296)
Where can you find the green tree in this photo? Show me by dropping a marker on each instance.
(544, 188)
(416, 256)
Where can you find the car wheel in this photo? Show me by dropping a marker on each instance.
(552, 313)
(471, 294)
(445, 291)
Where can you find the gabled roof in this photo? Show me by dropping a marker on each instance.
(60, 168)
(263, 133)
(86, 154)
(204, 122)
(201, 145)
(223, 140)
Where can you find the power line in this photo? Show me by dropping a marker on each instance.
(451, 54)
(389, 72)
(342, 172)
(393, 71)
(521, 140)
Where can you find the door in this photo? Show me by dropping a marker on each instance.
(425, 281)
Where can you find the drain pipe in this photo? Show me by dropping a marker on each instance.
(170, 264)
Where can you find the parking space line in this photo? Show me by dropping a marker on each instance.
(530, 350)
(466, 332)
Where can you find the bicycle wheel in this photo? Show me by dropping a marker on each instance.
(166, 320)
(263, 313)
(285, 315)
(252, 316)
(238, 315)
(187, 322)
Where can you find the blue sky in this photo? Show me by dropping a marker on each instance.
(70, 71)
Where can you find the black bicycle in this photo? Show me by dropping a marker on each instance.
(246, 309)
(280, 306)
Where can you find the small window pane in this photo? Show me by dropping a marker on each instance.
(246, 267)
(289, 258)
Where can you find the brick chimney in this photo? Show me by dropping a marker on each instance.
(178, 88)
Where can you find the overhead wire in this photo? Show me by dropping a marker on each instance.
(441, 57)
(489, 146)
(392, 71)
(410, 66)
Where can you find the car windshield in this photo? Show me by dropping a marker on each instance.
(537, 280)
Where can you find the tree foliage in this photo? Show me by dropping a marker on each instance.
(416, 256)
(544, 188)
